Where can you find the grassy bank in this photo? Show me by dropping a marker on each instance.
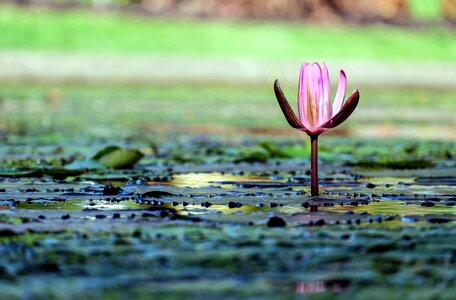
(83, 31)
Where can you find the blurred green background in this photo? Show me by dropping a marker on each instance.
(113, 68)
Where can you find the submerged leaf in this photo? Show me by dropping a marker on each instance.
(252, 154)
(297, 151)
(274, 151)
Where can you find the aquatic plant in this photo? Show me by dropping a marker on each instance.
(316, 114)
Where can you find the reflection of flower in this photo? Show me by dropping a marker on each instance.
(310, 287)
(316, 114)
(317, 287)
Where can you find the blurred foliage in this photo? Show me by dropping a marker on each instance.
(426, 9)
(397, 11)
(83, 31)
(449, 10)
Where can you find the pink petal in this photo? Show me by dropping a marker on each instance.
(288, 112)
(347, 109)
(325, 109)
(317, 86)
(302, 92)
(314, 92)
(340, 94)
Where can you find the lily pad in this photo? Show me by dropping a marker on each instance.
(106, 150)
(118, 158)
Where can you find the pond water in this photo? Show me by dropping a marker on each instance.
(229, 214)
(220, 193)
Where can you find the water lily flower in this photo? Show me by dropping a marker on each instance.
(316, 114)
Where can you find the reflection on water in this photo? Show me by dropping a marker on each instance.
(219, 209)
(196, 180)
(385, 180)
(81, 204)
(393, 207)
(240, 206)
(244, 209)
(250, 214)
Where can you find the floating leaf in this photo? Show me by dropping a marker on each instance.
(61, 173)
(120, 158)
(157, 194)
(105, 151)
(85, 164)
(20, 173)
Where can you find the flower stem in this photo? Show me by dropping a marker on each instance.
(314, 166)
